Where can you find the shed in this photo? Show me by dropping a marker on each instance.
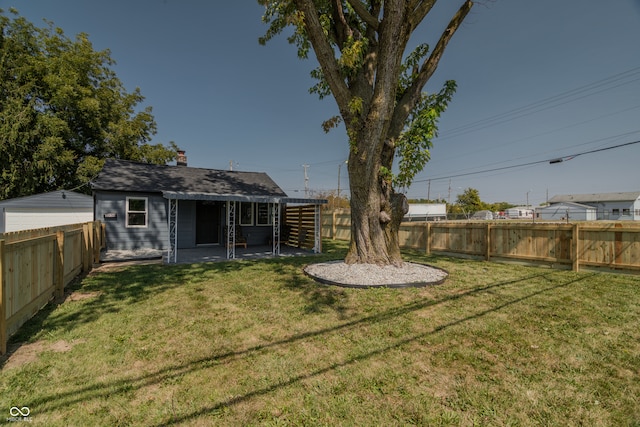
(165, 207)
(565, 211)
(45, 210)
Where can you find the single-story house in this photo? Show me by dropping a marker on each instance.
(608, 206)
(166, 207)
(45, 210)
(566, 211)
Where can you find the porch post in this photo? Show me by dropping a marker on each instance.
(172, 248)
(276, 228)
(231, 229)
(317, 230)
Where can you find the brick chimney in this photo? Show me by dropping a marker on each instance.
(181, 160)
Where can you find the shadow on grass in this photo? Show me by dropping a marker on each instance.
(104, 389)
(112, 288)
(136, 283)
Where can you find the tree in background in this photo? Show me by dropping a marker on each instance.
(469, 201)
(500, 206)
(361, 47)
(63, 111)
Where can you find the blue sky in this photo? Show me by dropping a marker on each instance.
(536, 80)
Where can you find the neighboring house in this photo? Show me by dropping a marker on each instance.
(145, 206)
(519, 213)
(426, 212)
(608, 206)
(566, 211)
(45, 210)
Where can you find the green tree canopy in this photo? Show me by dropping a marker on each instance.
(469, 201)
(63, 111)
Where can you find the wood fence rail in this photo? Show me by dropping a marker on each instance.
(36, 265)
(610, 245)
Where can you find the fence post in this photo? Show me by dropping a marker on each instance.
(96, 242)
(3, 309)
(334, 228)
(428, 239)
(59, 292)
(487, 254)
(575, 246)
(86, 254)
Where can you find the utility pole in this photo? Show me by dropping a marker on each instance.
(429, 190)
(306, 181)
(340, 167)
(338, 194)
(449, 202)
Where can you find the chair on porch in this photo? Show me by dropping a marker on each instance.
(240, 240)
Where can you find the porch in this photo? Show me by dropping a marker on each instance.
(226, 215)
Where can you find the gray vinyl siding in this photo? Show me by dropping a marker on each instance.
(619, 211)
(119, 236)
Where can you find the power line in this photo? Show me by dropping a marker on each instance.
(608, 138)
(554, 160)
(546, 103)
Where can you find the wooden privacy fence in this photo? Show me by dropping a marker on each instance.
(36, 265)
(300, 226)
(593, 244)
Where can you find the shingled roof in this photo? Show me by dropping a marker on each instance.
(122, 175)
(596, 197)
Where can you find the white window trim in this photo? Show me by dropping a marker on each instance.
(146, 212)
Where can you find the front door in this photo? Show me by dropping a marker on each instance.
(207, 223)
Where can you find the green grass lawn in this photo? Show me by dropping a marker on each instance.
(259, 343)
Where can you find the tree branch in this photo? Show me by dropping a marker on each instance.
(325, 55)
(364, 14)
(342, 29)
(419, 9)
(429, 66)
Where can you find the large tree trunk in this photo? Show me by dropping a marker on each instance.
(376, 213)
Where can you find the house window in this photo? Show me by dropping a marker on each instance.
(137, 212)
(264, 214)
(246, 213)
(615, 212)
(626, 212)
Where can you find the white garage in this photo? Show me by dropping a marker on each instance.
(566, 211)
(45, 210)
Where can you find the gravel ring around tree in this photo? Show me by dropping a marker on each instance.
(337, 273)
